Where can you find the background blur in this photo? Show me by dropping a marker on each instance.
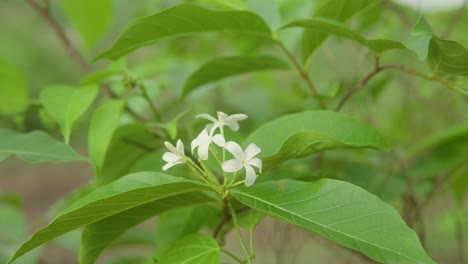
(404, 108)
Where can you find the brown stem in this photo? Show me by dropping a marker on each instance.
(302, 73)
(226, 218)
(75, 55)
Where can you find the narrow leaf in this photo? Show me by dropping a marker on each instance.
(66, 104)
(35, 147)
(89, 17)
(99, 235)
(335, 9)
(183, 19)
(220, 68)
(194, 249)
(117, 197)
(13, 89)
(301, 134)
(101, 130)
(341, 212)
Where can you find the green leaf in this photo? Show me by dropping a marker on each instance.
(98, 77)
(331, 26)
(129, 144)
(220, 68)
(178, 223)
(334, 9)
(90, 18)
(13, 89)
(35, 147)
(183, 19)
(12, 224)
(66, 104)
(251, 219)
(301, 134)
(127, 193)
(103, 124)
(98, 235)
(341, 212)
(194, 249)
(232, 4)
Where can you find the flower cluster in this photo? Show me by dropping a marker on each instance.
(214, 133)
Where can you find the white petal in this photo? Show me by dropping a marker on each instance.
(170, 147)
(168, 166)
(219, 140)
(204, 137)
(170, 157)
(251, 151)
(195, 143)
(233, 125)
(222, 116)
(256, 162)
(180, 147)
(232, 165)
(203, 151)
(235, 150)
(250, 175)
(207, 116)
(231, 121)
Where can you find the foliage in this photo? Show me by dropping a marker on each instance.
(277, 147)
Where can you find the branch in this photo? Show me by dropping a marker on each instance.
(75, 55)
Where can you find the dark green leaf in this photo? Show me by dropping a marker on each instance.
(194, 249)
(341, 212)
(35, 147)
(220, 68)
(103, 124)
(98, 235)
(301, 134)
(183, 19)
(127, 193)
(13, 89)
(334, 9)
(90, 18)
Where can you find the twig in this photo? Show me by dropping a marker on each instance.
(301, 72)
(44, 12)
(226, 218)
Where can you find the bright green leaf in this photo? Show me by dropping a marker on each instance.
(183, 19)
(250, 219)
(232, 4)
(103, 124)
(98, 235)
(334, 9)
(223, 67)
(35, 147)
(341, 212)
(127, 193)
(301, 134)
(66, 104)
(89, 17)
(13, 89)
(194, 249)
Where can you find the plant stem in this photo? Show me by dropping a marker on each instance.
(252, 249)
(73, 52)
(232, 256)
(301, 72)
(145, 94)
(239, 235)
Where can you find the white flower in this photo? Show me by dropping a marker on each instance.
(175, 156)
(203, 142)
(243, 160)
(223, 120)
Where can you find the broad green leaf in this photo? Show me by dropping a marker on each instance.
(129, 144)
(334, 9)
(220, 68)
(98, 235)
(12, 224)
(35, 147)
(331, 26)
(178, 223)
(98, 77)
(127, 193)
(183, 19)
(103, 124)
(90, 18)
(301, 134)
(232, 4)
(13, 89)
(250, 219)
(194, 249)
(66, 104)
(341, 212)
